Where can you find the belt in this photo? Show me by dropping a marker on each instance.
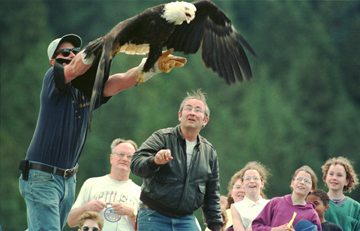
(64, 173)
(144, 206)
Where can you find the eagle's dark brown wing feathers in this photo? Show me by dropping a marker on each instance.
(211, 29)
(130, 30)
(222, 49)
(247, 46)
(102, 76)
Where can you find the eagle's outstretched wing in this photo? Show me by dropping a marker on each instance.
(138, 35)
(222, 49)
(174, 25)
(102, 49)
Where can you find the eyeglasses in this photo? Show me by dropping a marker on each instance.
(306, 181)
(66, 52)
(197, 110)
(87, 228)
(248, 178)
(122, 155)
(237, 186)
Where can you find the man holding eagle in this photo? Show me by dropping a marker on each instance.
(79, 82)
(60, 134)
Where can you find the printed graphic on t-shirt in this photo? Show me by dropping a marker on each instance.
(111, 216)
(110, 197)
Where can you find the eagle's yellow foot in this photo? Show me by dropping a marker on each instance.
(140, 78)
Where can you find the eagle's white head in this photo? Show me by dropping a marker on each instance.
(178, 12)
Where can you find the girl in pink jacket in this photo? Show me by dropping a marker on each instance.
(279, 211)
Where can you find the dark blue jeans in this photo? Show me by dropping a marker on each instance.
(150, 220)
(48, 198)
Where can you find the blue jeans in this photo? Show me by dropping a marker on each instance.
(49, 198)
(150, 220)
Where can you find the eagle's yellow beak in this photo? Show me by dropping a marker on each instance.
(189, 16)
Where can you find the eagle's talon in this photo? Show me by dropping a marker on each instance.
(140, 78)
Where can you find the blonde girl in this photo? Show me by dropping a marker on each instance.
(253, 178)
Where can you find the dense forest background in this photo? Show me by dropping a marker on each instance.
(302, 106)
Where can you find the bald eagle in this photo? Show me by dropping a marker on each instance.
(181, 26)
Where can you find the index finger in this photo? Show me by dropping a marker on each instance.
(116, 203)
(103, 203)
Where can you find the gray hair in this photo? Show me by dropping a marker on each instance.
(199, 95)
(118, 141)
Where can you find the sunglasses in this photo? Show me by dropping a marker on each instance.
(66, 52)
(86, 228)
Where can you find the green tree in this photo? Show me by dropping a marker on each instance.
(22, 60)
(301, 107)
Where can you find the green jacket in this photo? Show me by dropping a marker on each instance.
(347, 215)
